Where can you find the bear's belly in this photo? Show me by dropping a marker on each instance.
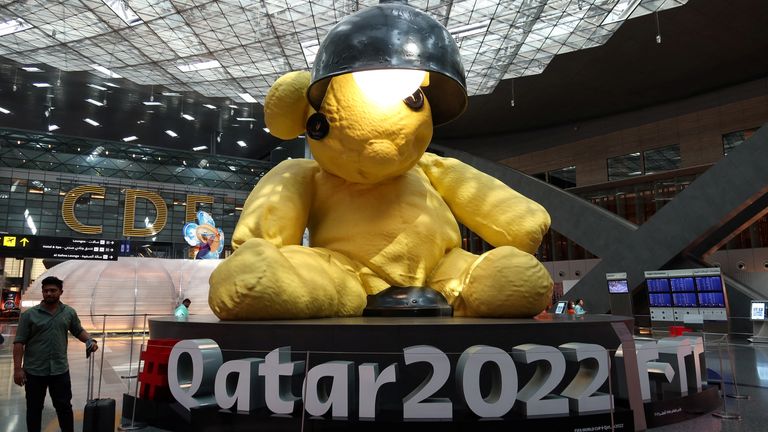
(400, 229)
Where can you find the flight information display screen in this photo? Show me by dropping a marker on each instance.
(709, 283)
(681, 284)
(711, 299)
(660, 300)
(684, 299)
(660, 285)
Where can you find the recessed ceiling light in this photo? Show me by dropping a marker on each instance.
(248, 119)
(94, 102)
(97, 87)
(130, 138)
(247, 97)
(4, 111)
(171, 133)
(198, 148)
(152, 103)
(105, 71)
(107, 83)
(266, 130)
(171, 94)
(209, 106)
(234, 106)
(91, 122)
(32, 69)
(52, 127)
(41, 85)
(192, 67)
(188, 117)
(242, 144)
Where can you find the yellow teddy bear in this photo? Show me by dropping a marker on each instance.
(380, 211)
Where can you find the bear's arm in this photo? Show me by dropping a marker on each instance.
(485, 205)
(278, 207)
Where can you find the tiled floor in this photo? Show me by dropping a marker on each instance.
(750, 361)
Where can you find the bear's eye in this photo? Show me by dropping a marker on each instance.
(317, 126)
(415, 101)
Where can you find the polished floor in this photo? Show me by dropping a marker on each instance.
(736, 358)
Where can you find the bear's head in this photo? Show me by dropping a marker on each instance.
(382, 78)
(357, 136)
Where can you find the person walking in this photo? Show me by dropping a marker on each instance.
(40, 355)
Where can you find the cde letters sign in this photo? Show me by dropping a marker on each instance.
(198, 377)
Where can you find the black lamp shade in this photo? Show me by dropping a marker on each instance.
(394, 36)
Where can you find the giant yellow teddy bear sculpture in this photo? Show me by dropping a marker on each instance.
(381, 212)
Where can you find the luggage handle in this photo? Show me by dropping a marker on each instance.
(89, 391)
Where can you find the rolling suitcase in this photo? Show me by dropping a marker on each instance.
(99, 414)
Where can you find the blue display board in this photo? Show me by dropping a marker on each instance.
(660, 300)
(681, 284)
(711, 299)
(709, 283)
(660, 285)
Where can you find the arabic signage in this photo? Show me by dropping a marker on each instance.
(28, 246)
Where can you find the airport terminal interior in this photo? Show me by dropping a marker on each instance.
(133, 131)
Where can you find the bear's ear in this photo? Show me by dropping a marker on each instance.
(286, 105)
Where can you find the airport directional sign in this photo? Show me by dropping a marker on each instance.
(31, 246)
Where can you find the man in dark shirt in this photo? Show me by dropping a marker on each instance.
(41, 342)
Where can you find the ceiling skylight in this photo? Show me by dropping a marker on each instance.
(121, 9)
(13, 25)
(182, 45)
(192, 67)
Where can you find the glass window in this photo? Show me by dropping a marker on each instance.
(662, 159)
(626, 166)
(733, 139)
(563, 178)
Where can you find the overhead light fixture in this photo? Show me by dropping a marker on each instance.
(113, 85)
(130, 138)
(105, 71)
(469, 29)
(32, 69)
(266, 129)
(198, 148)
(247, 97)
(52, 127)
(91, 122)
(4, 111)
(13, 25)
(193, 67)
(41, 85)
(97, 87)
(188, 117)
(152, 103)
(242, 144)
(94, 102)
(171, 133)
(171, 94)
(121, 9)
(209, 106)
(246, 119)
(234, 106)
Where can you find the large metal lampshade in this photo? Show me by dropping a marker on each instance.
(393, 35)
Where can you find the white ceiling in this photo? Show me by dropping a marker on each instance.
(236, 48)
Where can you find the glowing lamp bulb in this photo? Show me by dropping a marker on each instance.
(389, 85)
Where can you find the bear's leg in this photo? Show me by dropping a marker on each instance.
(504, 282)
(260, 281)
(448, 277)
